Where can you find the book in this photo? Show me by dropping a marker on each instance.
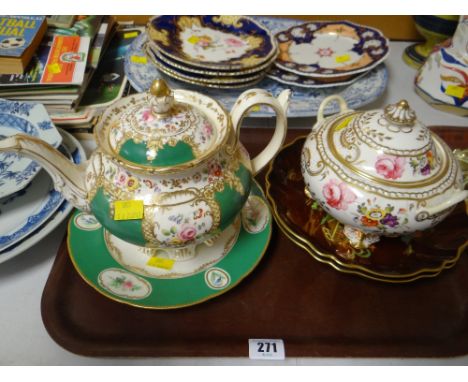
(60, 60)
(109, 81)
(20, 36)
(60, 21)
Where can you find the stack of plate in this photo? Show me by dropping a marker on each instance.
(327, 53)
(225, 52)
(30, 207)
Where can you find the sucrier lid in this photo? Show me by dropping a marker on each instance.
(395, 130)
(162, 129)
(388, 146)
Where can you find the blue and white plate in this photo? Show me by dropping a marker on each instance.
(45, 225)
(304, 102)
(216, 42)
(17, 171)
(26, 210)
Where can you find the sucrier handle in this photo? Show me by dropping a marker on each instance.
(256, 97)
(326, 101)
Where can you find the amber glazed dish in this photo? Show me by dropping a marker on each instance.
(317, 311)
(394, 260)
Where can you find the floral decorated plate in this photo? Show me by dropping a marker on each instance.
(392, 260)
(181, 75)
(25, 118)
(330, 49)
(46, 226)
(146, 279)
(209, 72)
(216, 42)
(293, 79)
(303, 103)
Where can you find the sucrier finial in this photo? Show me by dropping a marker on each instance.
(400, 114)
(161, 97)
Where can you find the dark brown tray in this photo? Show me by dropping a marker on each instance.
(317, 311)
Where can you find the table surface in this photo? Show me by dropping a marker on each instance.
(22, 279)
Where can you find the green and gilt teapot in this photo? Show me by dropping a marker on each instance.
(177, 153)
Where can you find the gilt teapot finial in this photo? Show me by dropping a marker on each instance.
(400, 114)
(160, 97)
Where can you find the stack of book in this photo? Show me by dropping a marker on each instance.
(107, 85)
(63, 64)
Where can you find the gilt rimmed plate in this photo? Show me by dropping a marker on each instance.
(293, 79)
(207, 72)
(215, 42)
(303, 103)
(17, 171)
(127, 278)
(168, 69)
(391, 260)
(330, 48)
(78, 155)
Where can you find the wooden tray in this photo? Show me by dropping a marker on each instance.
(317, 311)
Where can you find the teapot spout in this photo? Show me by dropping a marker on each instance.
(68, 178)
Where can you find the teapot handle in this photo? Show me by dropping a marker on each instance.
(341, 101)
(256, 97)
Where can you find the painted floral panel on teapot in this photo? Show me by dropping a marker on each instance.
(179, 209)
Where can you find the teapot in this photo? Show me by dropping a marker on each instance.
(379, 172)
(176, 153)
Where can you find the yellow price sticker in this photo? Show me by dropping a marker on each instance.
(54, 68)
(130, 34)
(139, 59)
(128, 209)
(343, 123)
(455, 91)
(342, 59)
(254, 108)
(160, 262)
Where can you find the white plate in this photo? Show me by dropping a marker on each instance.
(48, 225)
(17, 171)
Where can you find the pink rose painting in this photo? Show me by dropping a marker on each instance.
(389, 166)
(233, 42)
(338, 195)
(147, 116)
(187, 232)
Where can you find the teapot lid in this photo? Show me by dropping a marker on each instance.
(163, 130)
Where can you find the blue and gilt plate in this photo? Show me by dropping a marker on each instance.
(202, 80)
(216, 42)
(304, 102)
(293, 79)
(26, 118)
(330, 49)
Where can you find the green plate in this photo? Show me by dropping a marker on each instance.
(100, 266)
